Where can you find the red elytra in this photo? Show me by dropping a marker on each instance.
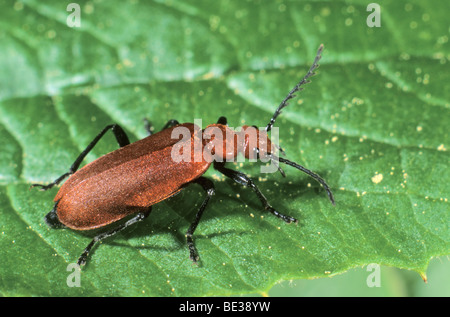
(136, 176)
(133, 178)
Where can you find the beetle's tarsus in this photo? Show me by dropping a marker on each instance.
(82, 260)
(42, 187)
(244, 180)
(193, 254)
(285, 218)
(194, 258)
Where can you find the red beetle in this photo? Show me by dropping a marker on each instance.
(131, 179)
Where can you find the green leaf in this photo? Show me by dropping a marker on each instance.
(373, 123)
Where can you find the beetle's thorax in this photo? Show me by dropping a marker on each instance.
(222, 143)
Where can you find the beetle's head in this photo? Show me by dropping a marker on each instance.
(255, 142)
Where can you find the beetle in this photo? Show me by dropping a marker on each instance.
(133, 178)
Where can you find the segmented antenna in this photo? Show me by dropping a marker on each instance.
(291, 95)
(312, 174)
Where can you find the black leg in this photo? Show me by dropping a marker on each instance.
(244, 180)
(148, 126)
(139, 217)
(52, 220)
(170, 124)
(222, 120)
(121, 138)
(208, 186)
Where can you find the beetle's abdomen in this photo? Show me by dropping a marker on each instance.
(130, 187)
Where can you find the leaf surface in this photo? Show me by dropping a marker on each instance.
(373, 123)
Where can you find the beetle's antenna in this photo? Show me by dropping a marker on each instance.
(312, 174)
(274, 159)
(291, 95)
(279, 149)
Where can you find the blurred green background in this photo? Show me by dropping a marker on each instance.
(373, 123)
(393, 283)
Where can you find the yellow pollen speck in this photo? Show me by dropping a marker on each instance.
(377, 178)
(441, 148)
(18, 6)
(51, 34)
(127, 63)
(208, 75)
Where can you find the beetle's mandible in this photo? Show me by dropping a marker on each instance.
(127, 182)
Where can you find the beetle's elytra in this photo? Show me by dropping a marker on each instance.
(131, 179)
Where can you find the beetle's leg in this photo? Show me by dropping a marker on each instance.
(52, 220)
(148, 126)
(170, 124)
(243, 179)
(208, 186)
(222, 120)
(139, 217)
(121, 138)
